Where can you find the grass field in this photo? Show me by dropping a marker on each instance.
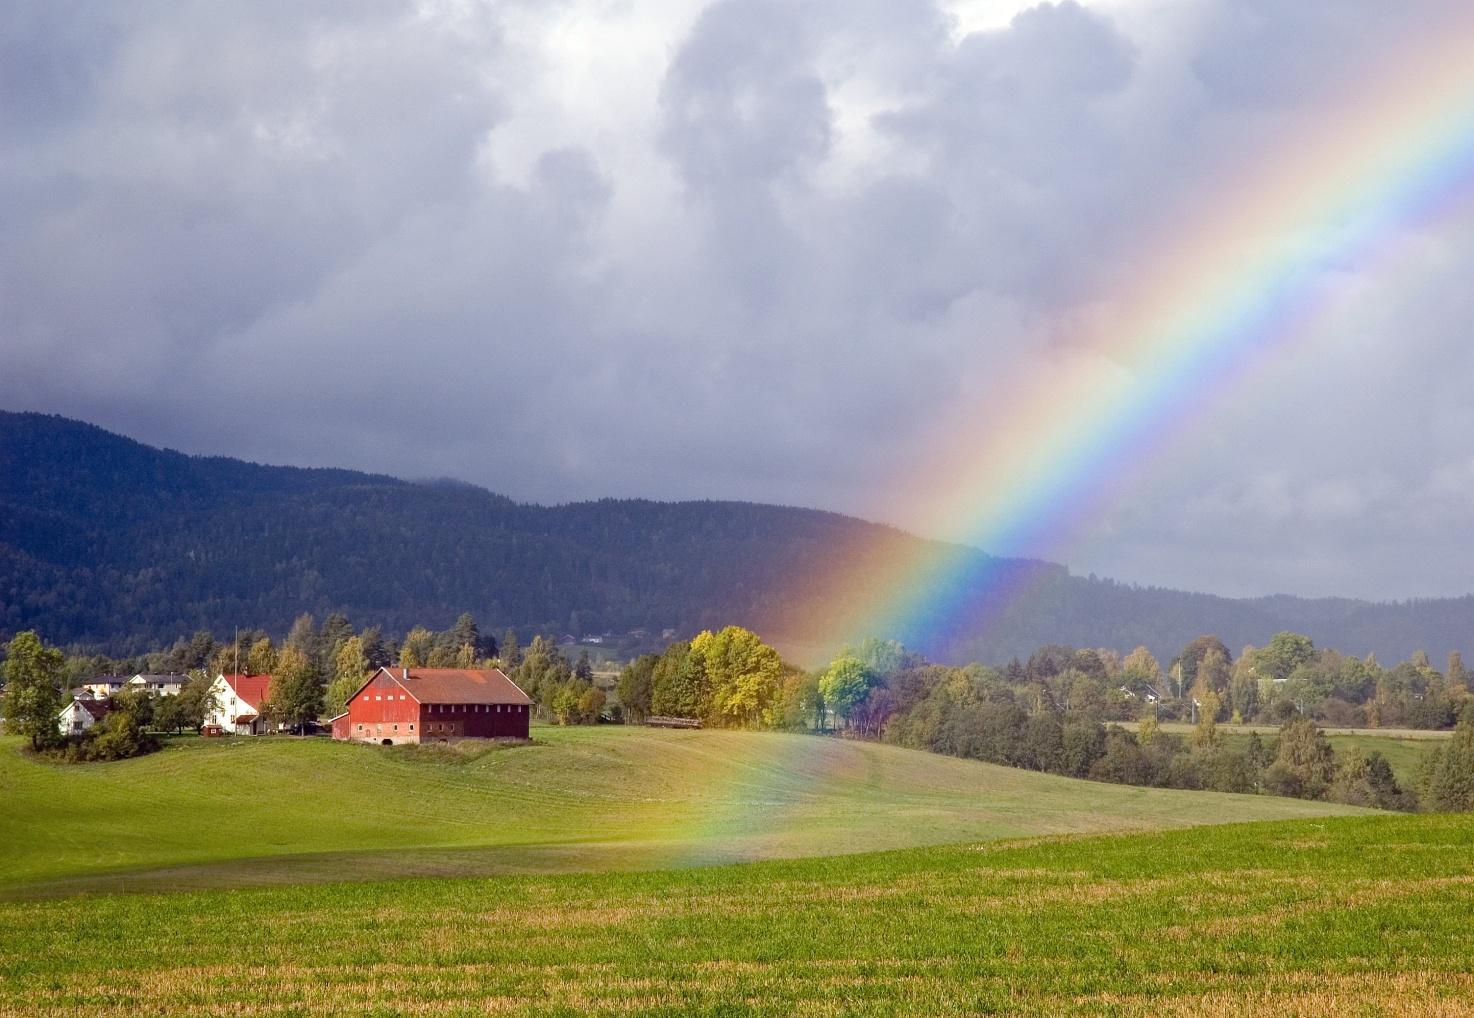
(234, 813)
(1337, 916)
(1404, 748)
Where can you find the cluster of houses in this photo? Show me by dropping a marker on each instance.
(91, 701)
(394, 705)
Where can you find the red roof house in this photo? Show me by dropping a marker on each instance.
(240, 702)
(399, 705)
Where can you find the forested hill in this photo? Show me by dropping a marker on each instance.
(111, 543)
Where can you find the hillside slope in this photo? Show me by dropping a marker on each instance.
(110, 543)
(238, 812)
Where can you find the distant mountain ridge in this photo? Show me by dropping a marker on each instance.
(110, 543)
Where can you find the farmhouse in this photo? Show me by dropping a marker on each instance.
(240, 703)
(81, 714)
(399, 705)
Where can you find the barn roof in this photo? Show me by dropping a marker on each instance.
(253, 689)
(460, 685)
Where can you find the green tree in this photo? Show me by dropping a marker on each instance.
(1305, 764)
(33, 696)
(1450, 784)
(296, 692)
(636, 686)
(844, 684)
(1285, 653)
(198, 699)
(350, 668)
(678, 684)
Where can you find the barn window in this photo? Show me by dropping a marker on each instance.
(396, 728)
(411, 727)
(360, 728)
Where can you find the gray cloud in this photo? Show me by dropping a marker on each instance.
(746, 249)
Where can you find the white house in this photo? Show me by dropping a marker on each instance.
(240, 703)
(103, 686)
(81, 714)
(159, 685)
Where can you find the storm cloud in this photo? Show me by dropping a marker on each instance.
(744, 249)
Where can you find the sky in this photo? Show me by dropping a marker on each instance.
(746, 249)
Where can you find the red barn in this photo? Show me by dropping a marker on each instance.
(399, 705)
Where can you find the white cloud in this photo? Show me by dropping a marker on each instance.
(744, 249)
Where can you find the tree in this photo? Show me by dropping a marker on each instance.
(591, 705)
(350, 667)
(296, 692)
(33, 689)
(636, 686)
(262, 658)
(511, 654)
(172, 714)
(466, 634)
(1213, 674)
(583, 670)
(197, 700)
(844, 684)
(1285, 653)
(742, 676)
(1206, 734)
(1458, 675)
(1194, 653)
(1450, 784)
(678, 685)
(1305, 765)
(1141, 666)
(304, 636)
(418, 646)
(375, 654)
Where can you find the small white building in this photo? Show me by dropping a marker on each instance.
(240, 703)
(81, 714)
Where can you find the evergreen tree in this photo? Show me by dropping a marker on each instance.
(1450, 788)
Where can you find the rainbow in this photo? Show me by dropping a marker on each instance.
(1224, 294)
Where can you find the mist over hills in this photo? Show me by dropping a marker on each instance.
(109, 543)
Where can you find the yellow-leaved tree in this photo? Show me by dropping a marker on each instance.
(744, 677)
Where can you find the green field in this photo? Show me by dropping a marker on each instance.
(579, 876)
(1404, 748)
(233, 813)
(1339, 916)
